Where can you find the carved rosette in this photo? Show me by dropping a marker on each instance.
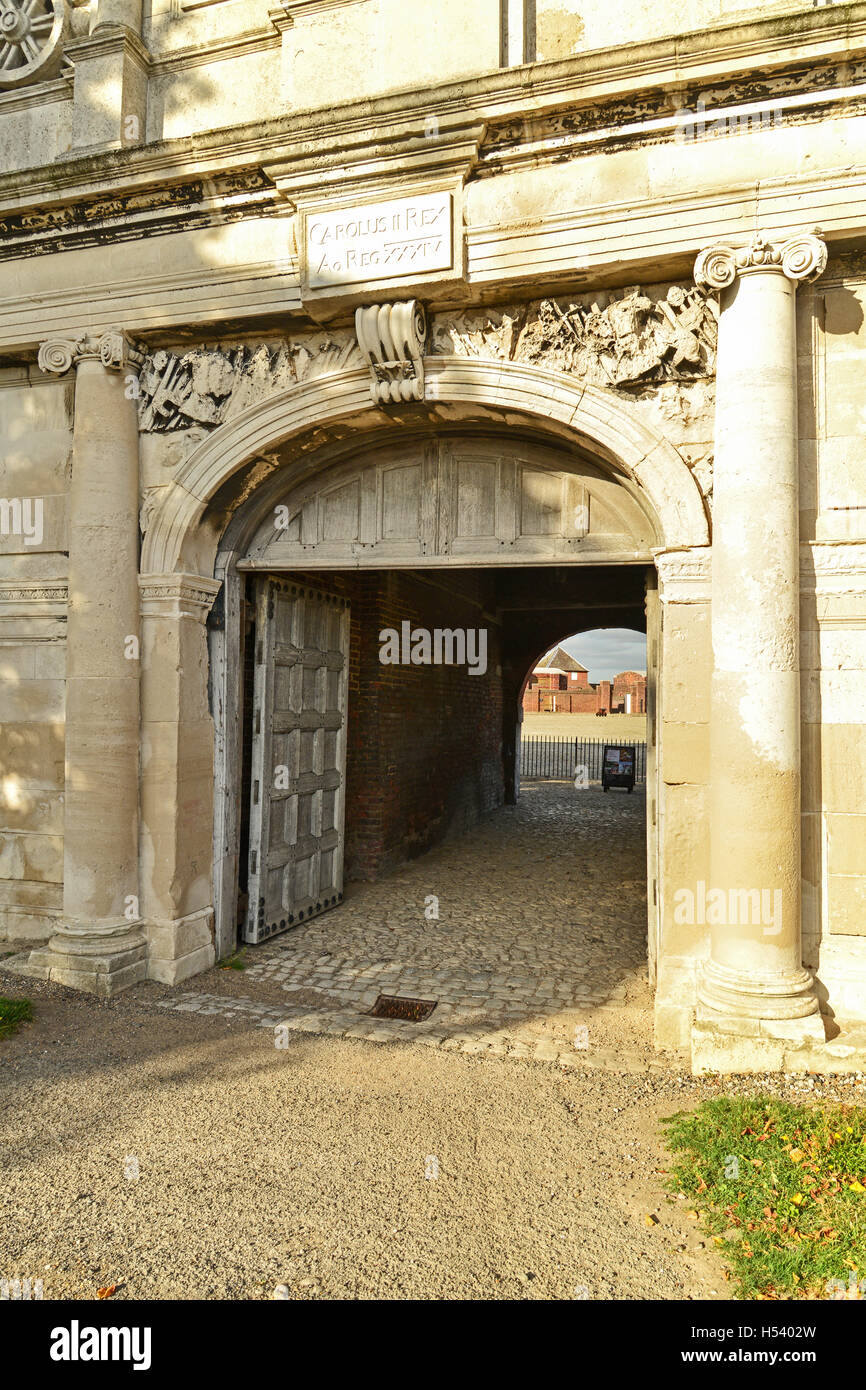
(392, 338)
(113, 349)
(32, 34)
(802, 258)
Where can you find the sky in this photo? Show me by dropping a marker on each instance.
(607, 651)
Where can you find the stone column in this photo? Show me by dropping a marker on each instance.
(123, 12)
(100, 946)
(752, 901)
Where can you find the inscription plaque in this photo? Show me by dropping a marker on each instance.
(380, 241)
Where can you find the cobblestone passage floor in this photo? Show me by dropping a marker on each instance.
(538, 949)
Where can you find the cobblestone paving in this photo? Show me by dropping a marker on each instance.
(538, 950)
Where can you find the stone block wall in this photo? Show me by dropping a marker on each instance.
(35, 451)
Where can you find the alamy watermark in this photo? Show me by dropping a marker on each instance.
(21, 1290)
(443, 646)
(729, 907)
(77, 1343)
(855, 1288)
(24, 517)
(696, 125)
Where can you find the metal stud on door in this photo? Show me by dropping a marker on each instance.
(298, 756)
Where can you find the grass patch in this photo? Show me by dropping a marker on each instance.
(233, 962)
(781, 1190)
(12, 1013)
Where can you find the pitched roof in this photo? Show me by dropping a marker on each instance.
(558, 660)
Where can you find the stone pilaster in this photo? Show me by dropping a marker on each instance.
(100, 945)
(677, 814)
(177, 775)
(111, 74)
(754, 983)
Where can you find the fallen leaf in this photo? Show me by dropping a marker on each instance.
(107, 1291)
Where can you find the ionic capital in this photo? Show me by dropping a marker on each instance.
(801, 258)
(113, 349)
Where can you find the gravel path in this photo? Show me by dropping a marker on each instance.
(307, 1167)
(163, 1143)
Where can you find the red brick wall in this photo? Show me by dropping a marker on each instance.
(424, 742)
(630, 683)
(537, 700)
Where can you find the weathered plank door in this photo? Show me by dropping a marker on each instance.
(298, 756)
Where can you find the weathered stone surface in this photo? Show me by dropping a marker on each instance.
(164, 169)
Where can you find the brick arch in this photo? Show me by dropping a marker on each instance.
(456, 389)
(557, 632)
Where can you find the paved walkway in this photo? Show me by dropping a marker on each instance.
(529, 934)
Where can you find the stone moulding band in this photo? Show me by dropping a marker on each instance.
(20, 591)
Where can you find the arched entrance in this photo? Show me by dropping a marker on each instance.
(502, 471)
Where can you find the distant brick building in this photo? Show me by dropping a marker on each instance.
(560, 685)
(629, 693)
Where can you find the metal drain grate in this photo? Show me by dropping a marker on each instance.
(410, 1010)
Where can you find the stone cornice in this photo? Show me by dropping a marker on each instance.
(823, 35)
(106, 42)
(299, 9)
(220, 51)
(39, 94)
(175, 207)
(689, 115)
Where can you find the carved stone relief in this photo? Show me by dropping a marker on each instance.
(31, 40)
(628, 340)
(208, 386)
(624, 339)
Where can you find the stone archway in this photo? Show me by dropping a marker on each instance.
(189, 556)
(455, 388)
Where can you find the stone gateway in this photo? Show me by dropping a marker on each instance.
(316, 326)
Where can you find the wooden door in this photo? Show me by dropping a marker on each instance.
(298, 757)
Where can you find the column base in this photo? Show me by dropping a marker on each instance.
(738, 994)
(98, 962)
(726, 1044)
(181, 947)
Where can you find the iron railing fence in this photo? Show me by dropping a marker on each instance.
(546, 757)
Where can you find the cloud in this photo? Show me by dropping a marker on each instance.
(607, 651)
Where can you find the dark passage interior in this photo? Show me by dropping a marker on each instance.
(431, 748)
